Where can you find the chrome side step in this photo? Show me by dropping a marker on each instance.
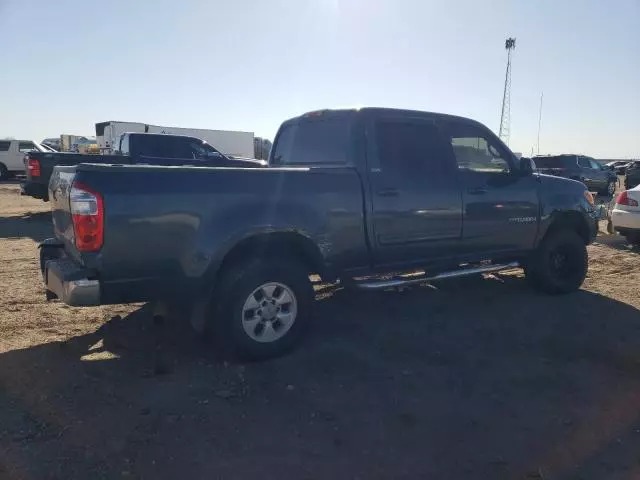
(413, 278)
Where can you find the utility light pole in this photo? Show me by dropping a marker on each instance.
(505, 116)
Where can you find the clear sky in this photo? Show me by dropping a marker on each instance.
(249, 64)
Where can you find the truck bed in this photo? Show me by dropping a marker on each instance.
(38, 186)
(191, 216)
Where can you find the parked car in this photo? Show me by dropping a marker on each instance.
(12, 154)
(146, 148)
(619, 166)
(625, 215)
(615, 164)
(578, 167)
(47, 148)
(347, 194)
(230, 143)
(53, 142)
(622, 169)
(632, 175)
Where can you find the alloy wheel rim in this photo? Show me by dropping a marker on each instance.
(269, 312)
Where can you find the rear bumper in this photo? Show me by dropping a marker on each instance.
(624, 220)
(80, 292)
(35, 190)
(66, 280)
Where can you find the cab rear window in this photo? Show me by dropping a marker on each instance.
(313, 141)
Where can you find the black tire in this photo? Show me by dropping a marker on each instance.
(633, 239)
(559, 264)
(4, 173)
(226, 323)
(611, 189)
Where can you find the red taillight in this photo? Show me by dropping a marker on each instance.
(623, 199)
(87, 211)
(33, 167)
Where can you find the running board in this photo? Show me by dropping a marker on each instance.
(413, 279)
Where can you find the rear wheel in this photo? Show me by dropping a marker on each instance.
(559, 264)
(262, 309)
(4, 173)
(633, 238)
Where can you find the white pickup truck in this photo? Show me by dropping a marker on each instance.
(12, 154)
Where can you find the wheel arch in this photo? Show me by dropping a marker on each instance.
(570, 220)
(288, 244)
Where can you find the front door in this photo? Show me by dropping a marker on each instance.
(500, 206)
(416, 202)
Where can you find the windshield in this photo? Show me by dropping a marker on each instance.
(553, 162)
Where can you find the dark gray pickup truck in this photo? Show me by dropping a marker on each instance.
(133, 148)
(373, 198)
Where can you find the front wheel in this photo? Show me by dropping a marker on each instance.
(4, 172)
(262, 309)
(611, 188)
(559, 264)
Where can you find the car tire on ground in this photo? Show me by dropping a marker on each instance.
(611, 188)
(4, 172)
(633, 238)
(559, 264)
(261, 309)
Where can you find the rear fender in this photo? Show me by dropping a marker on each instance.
(269, 242)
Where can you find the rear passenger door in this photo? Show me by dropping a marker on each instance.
(587, 174)
(416, 200)
(600, 174)
(15, 155)
(5, 148)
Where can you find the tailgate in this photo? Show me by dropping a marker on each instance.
(48, 161)
(59, 191)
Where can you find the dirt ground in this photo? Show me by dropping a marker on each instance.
(479, 378)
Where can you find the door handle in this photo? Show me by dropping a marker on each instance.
(477, 191)
(388, 192)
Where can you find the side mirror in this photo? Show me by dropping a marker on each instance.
(527, 166)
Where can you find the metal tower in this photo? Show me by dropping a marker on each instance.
(505, 116)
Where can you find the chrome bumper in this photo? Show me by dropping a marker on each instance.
(66, 281)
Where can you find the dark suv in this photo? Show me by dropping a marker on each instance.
(632, 178)
(578, 167)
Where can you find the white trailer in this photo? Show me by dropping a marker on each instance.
(234, 143)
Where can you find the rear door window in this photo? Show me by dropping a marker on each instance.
(4, 146)
(313, 142)
(182, 148)
(584, 162)
(159, 146)
(413, 149)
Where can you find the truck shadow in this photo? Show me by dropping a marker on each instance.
(36, 226)
(475, 379)
(617, 242)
